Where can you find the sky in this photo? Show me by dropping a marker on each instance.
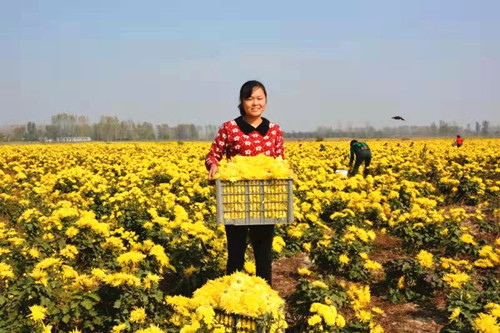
(324, 63)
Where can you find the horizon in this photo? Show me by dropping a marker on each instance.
(332, 127)
(337, 126)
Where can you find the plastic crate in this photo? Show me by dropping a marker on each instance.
(254, 202)
(236, 323)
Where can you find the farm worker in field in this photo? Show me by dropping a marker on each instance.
(459, 141)
(362, 153)
(250, 134)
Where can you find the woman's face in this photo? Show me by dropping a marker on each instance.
(255, 104)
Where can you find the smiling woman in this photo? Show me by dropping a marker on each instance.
(248, 135)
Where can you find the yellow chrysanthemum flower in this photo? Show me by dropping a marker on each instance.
(138, 315)
(344, 259)
(250, 268)
(486, 323)
(425, 259)
(304, 271)
(38, 312)
(456, 280)
(319, 284)
(455, 313)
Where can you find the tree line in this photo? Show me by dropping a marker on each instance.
(109, 128)
(441, 129)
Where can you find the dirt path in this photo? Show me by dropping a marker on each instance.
(427, 317)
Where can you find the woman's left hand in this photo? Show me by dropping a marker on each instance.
(213, 171)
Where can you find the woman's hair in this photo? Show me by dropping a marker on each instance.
(353, 142)
(246, 91)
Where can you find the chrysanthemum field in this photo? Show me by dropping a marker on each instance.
(120, 237)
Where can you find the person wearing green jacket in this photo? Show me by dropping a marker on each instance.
(363, 154)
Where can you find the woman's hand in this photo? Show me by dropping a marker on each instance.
(212, 172)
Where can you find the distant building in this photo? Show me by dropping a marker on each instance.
(73, 139)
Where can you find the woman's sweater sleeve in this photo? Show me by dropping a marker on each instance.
(218, 148)
(280, 149)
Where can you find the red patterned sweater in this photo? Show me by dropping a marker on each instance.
(237, 137)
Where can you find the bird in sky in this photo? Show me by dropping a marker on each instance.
(398, 118)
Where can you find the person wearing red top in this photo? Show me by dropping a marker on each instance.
(459, 141)
(249, 135)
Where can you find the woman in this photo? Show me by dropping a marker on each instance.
(250, 134)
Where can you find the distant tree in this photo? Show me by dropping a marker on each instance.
(107, 129)
(145, 131)
(127, 131)
(323, 131)
(194, 132)
(18, 133)
(51, 131)
(478, 128)
(182, 132)
(434, 129)
(485, 128)
(468, 129)
(163, 132)
(32, 134)
(454, 129)
(210, 132)
(82, 126)
(186, 132)
(64, 124)
(443, 128)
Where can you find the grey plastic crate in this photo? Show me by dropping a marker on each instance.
(254, 202)
(236, 323)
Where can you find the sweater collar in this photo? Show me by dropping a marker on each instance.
(247, 128)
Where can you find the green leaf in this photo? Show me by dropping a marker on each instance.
(87, 304)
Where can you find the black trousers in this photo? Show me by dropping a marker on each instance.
(261, 238)
(362, 156)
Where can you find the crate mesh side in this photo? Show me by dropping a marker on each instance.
(256, 199)
(238, 323)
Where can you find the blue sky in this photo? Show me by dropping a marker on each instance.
(324, 63)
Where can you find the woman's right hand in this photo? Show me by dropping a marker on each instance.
(212, 172)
